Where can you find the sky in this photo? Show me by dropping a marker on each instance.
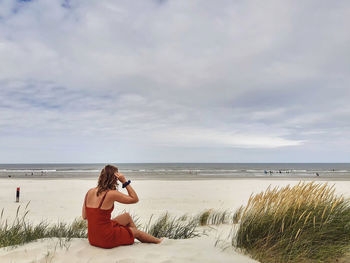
(174, 81)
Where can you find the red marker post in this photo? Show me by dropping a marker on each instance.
(17, 195)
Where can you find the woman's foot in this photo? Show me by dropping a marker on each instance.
(160, 240)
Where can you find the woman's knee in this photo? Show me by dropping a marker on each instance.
(128, 217)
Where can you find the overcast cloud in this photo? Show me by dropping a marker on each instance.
(174, 81)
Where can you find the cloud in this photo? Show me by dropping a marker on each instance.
(205, 137)
(175, 75)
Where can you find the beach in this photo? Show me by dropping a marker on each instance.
(230, 119)
(60, 200)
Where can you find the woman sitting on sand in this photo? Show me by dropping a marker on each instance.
(97, 208)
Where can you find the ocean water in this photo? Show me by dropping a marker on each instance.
(181, 171)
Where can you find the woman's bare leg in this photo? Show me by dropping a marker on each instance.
(125, 220)
(145, 237)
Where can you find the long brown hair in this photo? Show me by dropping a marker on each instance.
(107, 180)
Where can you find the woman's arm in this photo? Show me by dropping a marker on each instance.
(131, 198)
(132, 193)
(83, 214)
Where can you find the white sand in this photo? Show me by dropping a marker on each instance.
(61, 200)
(189, 250)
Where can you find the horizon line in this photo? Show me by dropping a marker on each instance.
(185, 163)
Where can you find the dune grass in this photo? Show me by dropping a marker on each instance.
(173, 227)
(186, 226)
(214, 217)
(21, 231)
(304, 223)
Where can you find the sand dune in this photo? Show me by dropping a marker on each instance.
(199, 249)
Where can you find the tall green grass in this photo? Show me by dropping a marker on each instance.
(304, 223)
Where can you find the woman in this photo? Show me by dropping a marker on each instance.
(97, 208)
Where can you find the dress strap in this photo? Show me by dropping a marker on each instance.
(102, 200)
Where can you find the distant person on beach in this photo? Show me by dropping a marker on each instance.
(97, 208)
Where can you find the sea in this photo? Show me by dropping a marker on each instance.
(181, 171)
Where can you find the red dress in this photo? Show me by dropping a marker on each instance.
(104, 232)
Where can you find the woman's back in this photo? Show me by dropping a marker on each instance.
(94, 201)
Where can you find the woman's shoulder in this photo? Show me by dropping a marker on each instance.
(91, 189)
(106, 192)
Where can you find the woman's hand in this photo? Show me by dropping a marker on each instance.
(120, 177)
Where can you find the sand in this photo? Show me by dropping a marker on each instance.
(61, 200)
(78, 250)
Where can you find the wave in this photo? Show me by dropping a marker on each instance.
(46, 171)
(26, 170)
